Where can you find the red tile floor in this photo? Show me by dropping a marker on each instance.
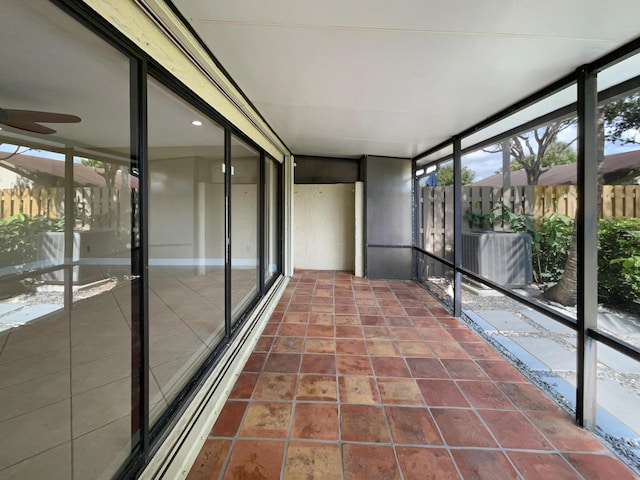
(359, 379)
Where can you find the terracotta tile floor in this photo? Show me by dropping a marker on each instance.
(358, 379)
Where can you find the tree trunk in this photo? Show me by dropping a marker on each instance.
(565, 292)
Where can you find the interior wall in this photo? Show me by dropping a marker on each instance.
(324, 227)
(171, 196)
(175, 182)
(243, 219)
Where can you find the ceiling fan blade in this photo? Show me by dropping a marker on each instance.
(28, 126)
(36, 116)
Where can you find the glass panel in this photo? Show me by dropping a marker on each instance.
(186, 242)
(562, 98)
(436, 190)
(245, 175)
(436, 277)
(541, 347)
(618, 402)
(389, 262)
(619, 224)
(619, 261)
(618, 73)
(272, 235)
(65, 355)
(518, 204)
(442, 154)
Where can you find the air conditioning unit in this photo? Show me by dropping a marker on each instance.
(502, 257)
(91, 250)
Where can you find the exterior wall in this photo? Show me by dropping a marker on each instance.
(8, 179)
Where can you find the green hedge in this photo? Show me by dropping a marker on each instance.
(550, 239)
(619, 263)
(551, 244)
(18, 236)
(618, 255)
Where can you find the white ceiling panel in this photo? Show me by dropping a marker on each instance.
(394, 78)
(399, 128)
(583, 19)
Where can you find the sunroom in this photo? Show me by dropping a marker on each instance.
(224, 221)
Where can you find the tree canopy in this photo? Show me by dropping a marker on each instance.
(106, 170)
(622, 120)
(558, 153)
(529, 149)
(445, 175)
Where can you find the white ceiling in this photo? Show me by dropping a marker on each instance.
(394, 78)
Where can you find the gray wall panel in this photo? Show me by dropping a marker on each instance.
(326, 170)
(388, 201)
(389, 263)
(388, 217)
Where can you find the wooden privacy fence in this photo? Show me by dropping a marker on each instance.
(32, 202)
(617, 200)
(538, 201)
(93, 206)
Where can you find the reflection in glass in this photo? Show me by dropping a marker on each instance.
(272, 235)
(186, 243)
(436, 277)
(65, 261)
(245, 177)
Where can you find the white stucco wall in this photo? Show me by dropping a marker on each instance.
(324, 221)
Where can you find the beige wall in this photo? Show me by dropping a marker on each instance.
(324, 227)
(171, 213)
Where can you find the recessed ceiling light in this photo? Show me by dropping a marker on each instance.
(197, 123)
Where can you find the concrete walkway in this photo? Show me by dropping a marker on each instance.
(548, 349)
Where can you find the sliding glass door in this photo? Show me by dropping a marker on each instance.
(135, 230)
(186, 240)
(245, 182)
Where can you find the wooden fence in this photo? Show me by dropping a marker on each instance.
(93, 207)
(538, 201)
(617, 200)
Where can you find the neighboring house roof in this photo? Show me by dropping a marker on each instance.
(51, 171)
(619, 168)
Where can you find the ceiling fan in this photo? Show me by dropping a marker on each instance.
(28, 120)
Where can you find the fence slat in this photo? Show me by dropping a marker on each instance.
(537, 200)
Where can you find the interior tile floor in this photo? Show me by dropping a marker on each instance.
(359, 379)
(65, 374)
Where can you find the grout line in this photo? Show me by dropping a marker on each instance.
(407, 297)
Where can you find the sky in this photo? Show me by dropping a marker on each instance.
(6, 149)
(486, 164)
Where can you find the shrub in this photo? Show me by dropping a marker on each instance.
(551, 248)
(619, 262)
(550, 241)
(19, 235)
